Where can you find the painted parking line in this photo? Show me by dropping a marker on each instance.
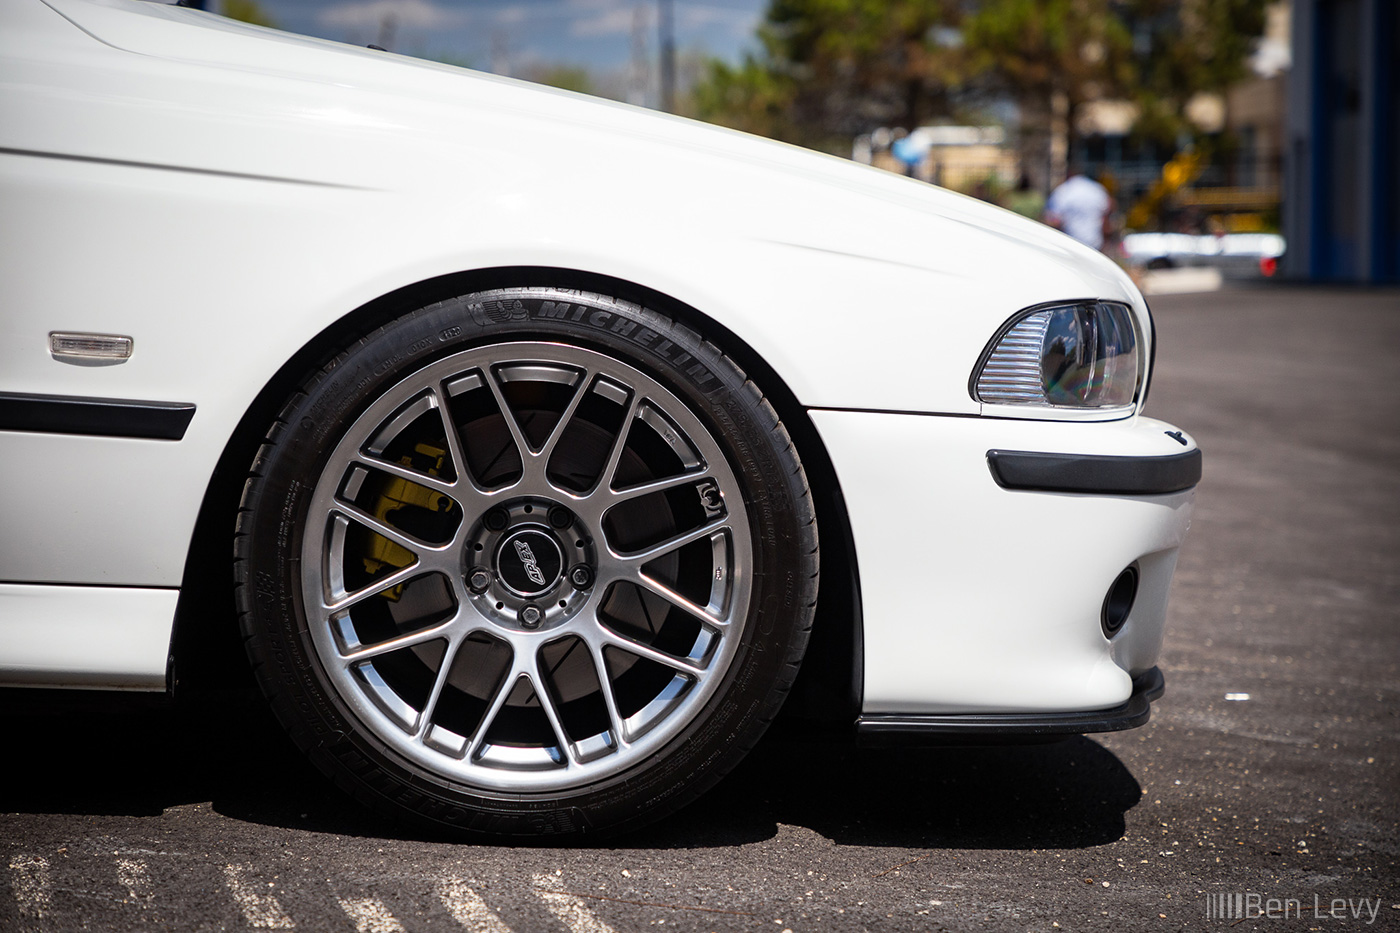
(30, 883)
(569, 908)
(467, 907)
(31, 887)
(370, 915)
(136, 878)
(260, 909)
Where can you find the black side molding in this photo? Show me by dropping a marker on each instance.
(1099, 475)
(946, 728)
(102, 417)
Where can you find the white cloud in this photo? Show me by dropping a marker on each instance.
(614, 22)
(741, 23)
(584, 17)
(616, 17)
(405, 14)
(512, 15)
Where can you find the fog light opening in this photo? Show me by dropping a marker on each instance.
(1119, 601)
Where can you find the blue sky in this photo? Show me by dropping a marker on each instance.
(592, 33)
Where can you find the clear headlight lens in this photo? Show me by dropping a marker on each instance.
(1082, 355)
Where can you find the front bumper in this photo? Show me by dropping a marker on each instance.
(982, 588)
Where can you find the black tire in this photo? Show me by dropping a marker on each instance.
(683, 690)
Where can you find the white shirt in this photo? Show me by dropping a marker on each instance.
(1080, 204)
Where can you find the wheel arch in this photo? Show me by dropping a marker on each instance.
(206, 649)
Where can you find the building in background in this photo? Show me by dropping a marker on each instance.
(957, 157)
(1342, 194)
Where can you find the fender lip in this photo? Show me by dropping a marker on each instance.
(98, 417)
(945, 728)
(1095, 474)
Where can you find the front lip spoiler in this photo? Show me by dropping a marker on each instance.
(951, 728)
(1094, 473)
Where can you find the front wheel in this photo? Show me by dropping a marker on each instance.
(527, 561)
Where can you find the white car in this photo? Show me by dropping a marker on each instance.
(511, 428)
(1239, 255)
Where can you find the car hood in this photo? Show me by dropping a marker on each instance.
(367, 119)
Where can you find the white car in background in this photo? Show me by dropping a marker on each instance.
(510, 429)
(1238, 255)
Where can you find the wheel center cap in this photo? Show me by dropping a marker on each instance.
(529, 562)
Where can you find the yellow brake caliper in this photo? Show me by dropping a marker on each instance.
(401, 493)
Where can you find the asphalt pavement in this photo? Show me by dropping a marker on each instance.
(1263, 795)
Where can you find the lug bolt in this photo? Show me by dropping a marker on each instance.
(496, 519)
(581, 577)
(479, 579)
(530, 616)
(560, 517)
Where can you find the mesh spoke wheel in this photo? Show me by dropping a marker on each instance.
(526, 566)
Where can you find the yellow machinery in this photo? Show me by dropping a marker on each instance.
(1185, 167)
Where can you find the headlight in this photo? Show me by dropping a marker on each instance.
(1082, 355)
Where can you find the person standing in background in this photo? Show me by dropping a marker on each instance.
(1080, 207)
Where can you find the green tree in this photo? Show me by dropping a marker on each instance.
(830, 69)
(1184, 48)
(751, 97)
(1052, 57)
(248, 11)
(827, 70)
(564, 77)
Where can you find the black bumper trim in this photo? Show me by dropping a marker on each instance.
(910, 729)
(101, 417)
(1099, 475)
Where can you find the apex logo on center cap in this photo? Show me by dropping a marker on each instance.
(529, 561)
(532, 566)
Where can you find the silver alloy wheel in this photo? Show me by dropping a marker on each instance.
(527, 567)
